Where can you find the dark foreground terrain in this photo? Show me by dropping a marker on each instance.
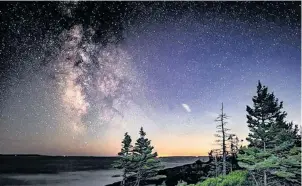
(190, 173)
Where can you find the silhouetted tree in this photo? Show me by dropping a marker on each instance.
(215, 166)
(234, 149)
(125, 162)
(222, 136)
(272, 140)
(146, 162)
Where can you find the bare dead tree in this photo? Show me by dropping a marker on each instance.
(222, 136)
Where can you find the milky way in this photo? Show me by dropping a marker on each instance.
(77, 75)
(93, 78)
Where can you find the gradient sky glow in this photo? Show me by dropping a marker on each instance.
(185, 59)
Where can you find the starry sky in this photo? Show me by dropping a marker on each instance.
(75, 76)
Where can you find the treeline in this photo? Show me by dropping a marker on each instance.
(272, 157)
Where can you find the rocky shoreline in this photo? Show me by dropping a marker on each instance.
(190, 173)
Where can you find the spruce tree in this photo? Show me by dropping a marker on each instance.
(288, 152)
(125, 160)
(263, 121)
(215, 166)
(146, 163)
(270, 139)
(234, 149)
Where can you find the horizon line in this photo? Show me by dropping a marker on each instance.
(4, 154)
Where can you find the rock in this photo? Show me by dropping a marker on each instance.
(157, 180)
(190, 173)
(115, 176)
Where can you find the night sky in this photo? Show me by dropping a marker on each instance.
(75, 76)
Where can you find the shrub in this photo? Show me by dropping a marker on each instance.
(236, 178)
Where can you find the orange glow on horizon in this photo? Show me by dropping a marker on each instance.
(186, 154)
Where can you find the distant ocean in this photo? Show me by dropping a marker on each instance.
(68, 171)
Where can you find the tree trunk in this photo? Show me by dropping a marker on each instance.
(264, 172)
(264, 178)
(138, 178)
(124, 179)
(224, 165)
(216, 172)
(138, 181)
(264, 149)
(255, 179)
(223, 144)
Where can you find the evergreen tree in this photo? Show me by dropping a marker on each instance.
(234, 149)
(125, 161)
(270, 138)
(290, 167)
(215, 165)
(265, 120)
(222, 137)
(288, 151)
(146, 163)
